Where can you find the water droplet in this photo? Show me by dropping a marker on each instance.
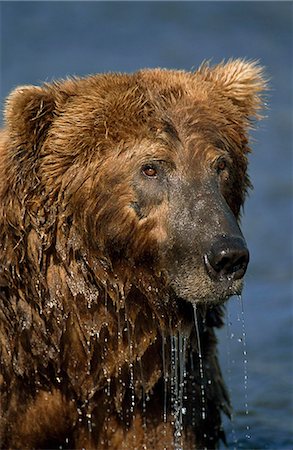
(89, 422)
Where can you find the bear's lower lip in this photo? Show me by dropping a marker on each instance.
(227, 288)
(218, 292)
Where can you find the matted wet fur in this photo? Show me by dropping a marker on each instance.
(112, 188)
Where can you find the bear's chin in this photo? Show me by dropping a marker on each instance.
(210, 292)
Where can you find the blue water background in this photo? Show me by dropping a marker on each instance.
(41, 41)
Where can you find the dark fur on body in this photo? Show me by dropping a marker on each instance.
(90, 284)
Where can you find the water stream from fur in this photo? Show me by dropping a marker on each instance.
(201, 371)
(165, 381)
(177, 380)
(165, 376)
(174, 378)
(131, 412)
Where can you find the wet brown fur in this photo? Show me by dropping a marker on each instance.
(84, 299)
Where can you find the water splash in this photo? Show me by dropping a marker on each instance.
(201, 371)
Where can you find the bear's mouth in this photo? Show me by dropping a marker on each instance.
(202, 289)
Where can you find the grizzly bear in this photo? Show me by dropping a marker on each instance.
(120, 198)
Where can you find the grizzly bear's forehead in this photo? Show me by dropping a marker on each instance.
(153, 104)
(147, 93)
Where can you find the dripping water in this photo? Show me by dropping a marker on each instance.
(244, 353)
(107, 388)
(182, 374)
(174, 384)
(230, 362)
(201, 371)
(238, 335)
(143, 398)
(131, 386)
(165, 378)
(107, 391)
(120, 380)
(165, 381)
(131, 416)
(88, 344)
(177, 381)
(193, 391)
(89, 422)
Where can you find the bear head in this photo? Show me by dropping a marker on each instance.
(144, 172)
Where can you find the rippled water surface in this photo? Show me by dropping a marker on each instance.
(45, 40)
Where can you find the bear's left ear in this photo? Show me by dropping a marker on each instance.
(30, 110)
(241, 81)
(28, 114)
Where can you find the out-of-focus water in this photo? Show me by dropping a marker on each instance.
(45, 40)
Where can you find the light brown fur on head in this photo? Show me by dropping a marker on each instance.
(114, 191)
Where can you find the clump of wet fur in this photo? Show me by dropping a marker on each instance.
(85, 294)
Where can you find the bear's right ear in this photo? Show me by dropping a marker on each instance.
(28, 114)
(243, 82)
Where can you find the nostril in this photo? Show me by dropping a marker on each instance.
(227, 258)
(229, 261)
(220, 262)
(241, 262)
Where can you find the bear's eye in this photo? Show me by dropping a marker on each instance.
(149, 171)
(221, 165)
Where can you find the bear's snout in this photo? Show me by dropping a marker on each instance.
(227, 259)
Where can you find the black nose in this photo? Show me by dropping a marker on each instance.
(227, 259)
